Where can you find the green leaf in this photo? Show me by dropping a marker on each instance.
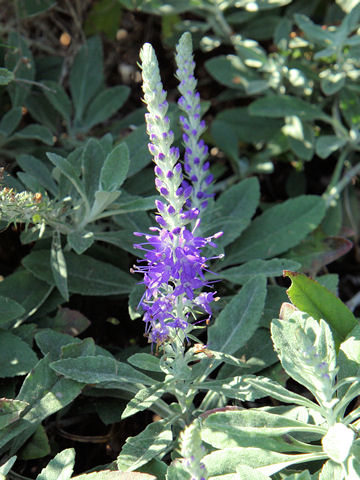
(105, 104)
(59, 99)
(6, 467)
(145, 361)
(26, 332)
(121, 238)
(29, 8)
(300, 137)
(84, 348)
(86, 76)
(134, 203)
(251, 53)
(242, 127)
(53, 344)
(104, 17)
(26, 290)
(262, 4)
(347, 5)
(58, 266)
(314, 32)
(133, 305)
(86, 275)
(60, 467)
(168, 7)
(350, 107)
(277, 229)
(145, 398)
(69, 172)
(311, 297)
(331, 471)
(67, 321)
(354, 468)
(176, 471)
(36, 132)
(102, 201)
(9, 310)
(328, 144)
(332, 81)
(80, 241)
(338, 442)
(258, 352)
(150, 443)
(41, 110)
(273, 389)
(275, 297)
(16, 357)
(37, 169)
(268, 268)
(46, 393)
(37, 447)
(10, 121)
(228, 70)
(318, 250)
(111, 475)
(99, 369)
(233, 387)
(227, 460)
(280, 106)
(92, 160)
(248, 473)
(10, 411)
(115, 168)
(30, 182)
(253, 428)
(242, 198)
(6, 76)
(261, 27)
(137, 142)
(304, 475)
(239, 319)
(349, 355)
(306, 351)
(25, 70)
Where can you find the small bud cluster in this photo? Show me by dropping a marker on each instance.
(323, 376)
(24, 207)
(192, 451)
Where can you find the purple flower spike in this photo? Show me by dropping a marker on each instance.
(174, 265)
(173, 272)
(193, 126)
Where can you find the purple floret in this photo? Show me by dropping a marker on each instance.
(173, 272)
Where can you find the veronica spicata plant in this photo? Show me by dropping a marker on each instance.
(195, 164)
(175, 265)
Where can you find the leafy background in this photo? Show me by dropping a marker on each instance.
(280, 92)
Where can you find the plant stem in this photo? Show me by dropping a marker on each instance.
(37, 84)
(333, 193)
(338, 169)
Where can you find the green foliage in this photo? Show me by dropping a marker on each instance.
(261, 437)
(28, 8)
(152, 442)
(289, 95)
(104, 17)
(308, 295)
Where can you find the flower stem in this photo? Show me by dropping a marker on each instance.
(333, 193)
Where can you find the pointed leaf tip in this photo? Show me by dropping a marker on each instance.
(311, 297)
